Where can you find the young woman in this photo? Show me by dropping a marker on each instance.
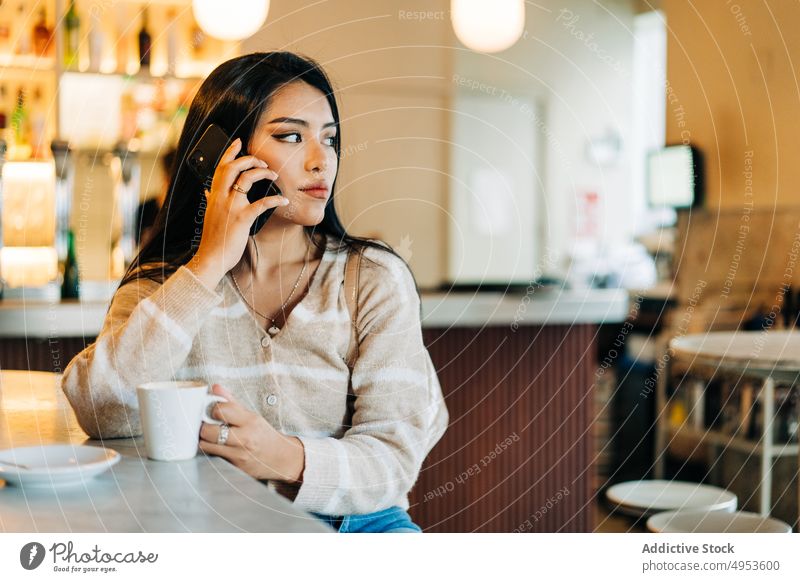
(264, 318)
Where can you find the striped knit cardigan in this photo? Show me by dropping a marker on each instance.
(362, 453)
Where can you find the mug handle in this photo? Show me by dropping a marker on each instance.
(212, 399)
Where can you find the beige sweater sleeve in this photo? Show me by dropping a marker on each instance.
(146, 336)
(399, 410)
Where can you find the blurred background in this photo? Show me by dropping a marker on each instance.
(555, 128)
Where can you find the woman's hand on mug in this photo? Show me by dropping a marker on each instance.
(253, 444)
(229, 214)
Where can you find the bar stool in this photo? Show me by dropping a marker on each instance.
(772, 357)
(651, 496)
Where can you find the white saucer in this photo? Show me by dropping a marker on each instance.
(55, 465)
(715, 522)
(640, 498)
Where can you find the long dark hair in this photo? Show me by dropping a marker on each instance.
(233, 96)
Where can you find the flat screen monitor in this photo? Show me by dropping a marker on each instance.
(674, 177)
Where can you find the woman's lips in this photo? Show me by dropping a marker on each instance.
(320, 193)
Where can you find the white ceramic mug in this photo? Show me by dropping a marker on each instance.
(171, 414)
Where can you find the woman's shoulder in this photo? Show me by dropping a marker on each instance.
(382, 269)
(376, 255)
(381, 258)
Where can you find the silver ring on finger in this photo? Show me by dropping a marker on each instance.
(224, 432)
(239, 188)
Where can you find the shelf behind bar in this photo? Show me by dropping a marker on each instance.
(716, 437)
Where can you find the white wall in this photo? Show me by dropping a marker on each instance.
(575, 60)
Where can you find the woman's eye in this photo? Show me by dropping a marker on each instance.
(295, 138)
(285, 137)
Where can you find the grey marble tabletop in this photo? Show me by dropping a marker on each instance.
(204, 494)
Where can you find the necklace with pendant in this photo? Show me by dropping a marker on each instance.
(273, 329)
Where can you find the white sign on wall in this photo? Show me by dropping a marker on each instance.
(492, 231)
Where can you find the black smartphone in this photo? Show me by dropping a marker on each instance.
(203, 160)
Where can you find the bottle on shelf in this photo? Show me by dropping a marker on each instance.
(24, 36)
(38, 127)
(42, 35)
(20, 149)
(172, 43)
(145, 42)
(70, 286)
(3, 98)
(5, 28)
(122, 37)
(72, 24)
(95, 42)
(5, 130)
(198, 42)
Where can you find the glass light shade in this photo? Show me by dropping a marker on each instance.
(230, 19)
(488, 26)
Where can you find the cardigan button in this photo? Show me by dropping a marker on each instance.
(272, 399)
(265, 341)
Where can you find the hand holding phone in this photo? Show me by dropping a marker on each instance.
(204, 158)
(228, 214)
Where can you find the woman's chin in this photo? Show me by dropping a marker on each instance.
(301, 215)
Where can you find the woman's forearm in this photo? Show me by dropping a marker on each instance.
(100, 382)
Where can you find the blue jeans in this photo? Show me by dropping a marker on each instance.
(392, 520)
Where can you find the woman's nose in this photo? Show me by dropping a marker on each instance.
(316, 160)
